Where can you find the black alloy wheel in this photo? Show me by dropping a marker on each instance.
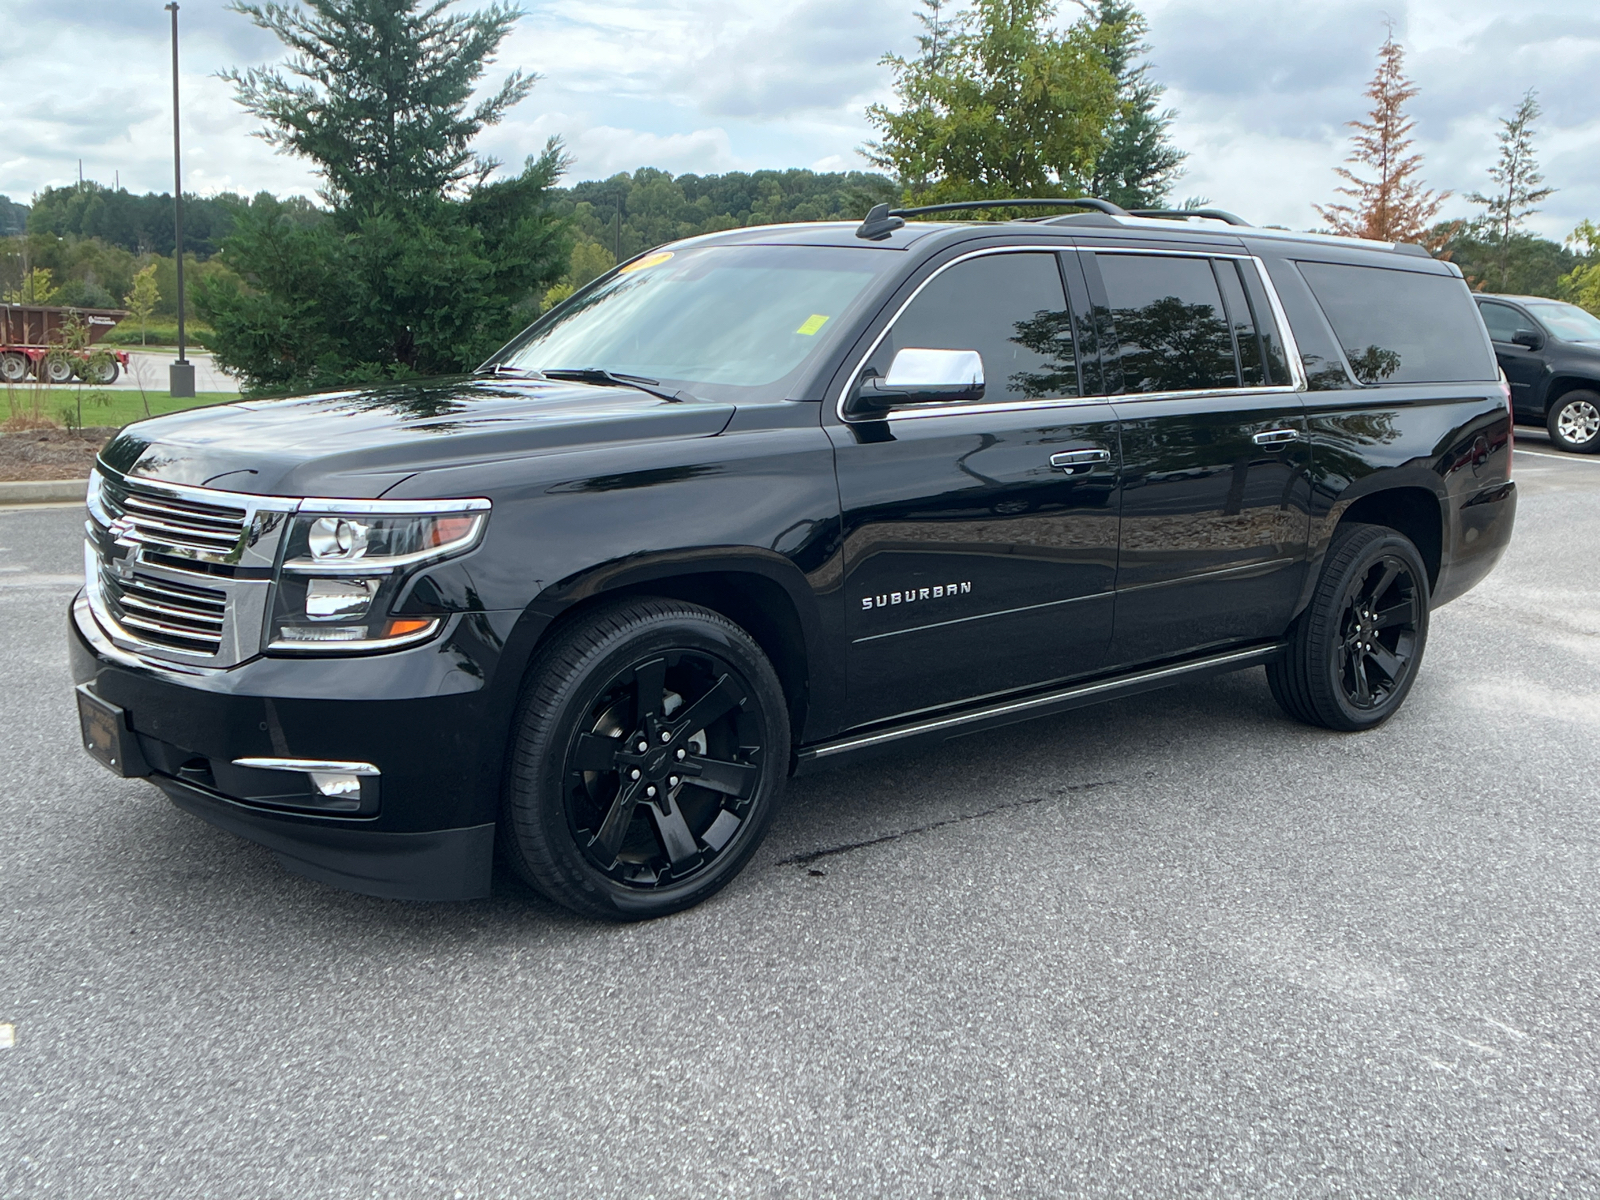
(650, 749)
(1574, 422)
(1378, 633)
(1353, 655)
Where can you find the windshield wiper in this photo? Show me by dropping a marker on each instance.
(601, 375)
(502, 371)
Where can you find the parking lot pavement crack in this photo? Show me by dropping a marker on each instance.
(811, 856)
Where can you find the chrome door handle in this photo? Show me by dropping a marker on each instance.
(1078, 460)
(1276, 437)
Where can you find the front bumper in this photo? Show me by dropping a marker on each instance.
(424, 827)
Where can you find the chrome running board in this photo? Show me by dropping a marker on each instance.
(1024, 708)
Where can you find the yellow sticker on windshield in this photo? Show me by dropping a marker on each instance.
(649, 260)
(812, 323)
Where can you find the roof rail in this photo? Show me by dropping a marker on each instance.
(883, 220)
(1216, 214)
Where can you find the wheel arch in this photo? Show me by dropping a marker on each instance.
(1560, 385)
(762, 592)
(1413, 511)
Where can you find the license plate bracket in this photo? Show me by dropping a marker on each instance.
(108, 737)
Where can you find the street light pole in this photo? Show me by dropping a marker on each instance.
(180, 381)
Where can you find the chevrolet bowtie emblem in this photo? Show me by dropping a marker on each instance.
(121, 528)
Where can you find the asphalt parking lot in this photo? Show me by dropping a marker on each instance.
(1171, 946)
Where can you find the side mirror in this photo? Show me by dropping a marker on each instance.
(923, 377)
(1527, 338)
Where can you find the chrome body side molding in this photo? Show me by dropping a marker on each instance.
(1006, 712)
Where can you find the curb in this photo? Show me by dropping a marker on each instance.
(43, 491)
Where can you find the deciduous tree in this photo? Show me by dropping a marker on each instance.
(1389, 201)
(142, 298)
(1582, 284)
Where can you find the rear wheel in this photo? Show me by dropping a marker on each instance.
(649, 753)
(1353, 654)
(54, 369)
(101, 372)
(13, 368)
(1574, 422)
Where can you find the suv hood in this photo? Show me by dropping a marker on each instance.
(358, 444)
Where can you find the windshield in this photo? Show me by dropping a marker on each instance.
(1567, 321)
(717, 321)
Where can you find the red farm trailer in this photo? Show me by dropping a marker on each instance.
(30, 332)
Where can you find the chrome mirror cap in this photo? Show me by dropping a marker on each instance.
(914, 370)
(922, 376)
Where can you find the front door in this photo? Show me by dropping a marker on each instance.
(1522, 364)
(975, 564)
(1215, 492)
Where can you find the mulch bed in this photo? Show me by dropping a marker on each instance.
(49, 453)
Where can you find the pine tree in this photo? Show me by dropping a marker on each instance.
(1518, 177)
(1139, 163)
(997, 104)
(1393, 205)
(376, 92)
(420, 265)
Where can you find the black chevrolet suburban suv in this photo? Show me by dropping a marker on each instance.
(1550, 354)
(775, 496)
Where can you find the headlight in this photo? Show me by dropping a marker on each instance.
(343, 571)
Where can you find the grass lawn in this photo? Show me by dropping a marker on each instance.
(126, 407)
(123, 408)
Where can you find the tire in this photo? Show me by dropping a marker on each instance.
(52, 369)
(1354, 653)
(105, 376)
(1574, 422)
(13, 368)
(611, 831)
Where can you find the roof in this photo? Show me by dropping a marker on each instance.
(843, 233)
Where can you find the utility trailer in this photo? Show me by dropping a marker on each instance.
(33, 339)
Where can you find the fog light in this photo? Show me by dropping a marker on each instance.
(324, 633)
(333, 783)
(333, 599)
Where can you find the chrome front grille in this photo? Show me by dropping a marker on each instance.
(145, 517)
(178, 574)
(164, 612)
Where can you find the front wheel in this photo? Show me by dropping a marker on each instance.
(1574, 422)
(648, 756)
(1352, 656)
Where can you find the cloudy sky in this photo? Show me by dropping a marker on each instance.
(1262, 88)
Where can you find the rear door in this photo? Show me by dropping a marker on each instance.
(980, 538)
(1215, 501)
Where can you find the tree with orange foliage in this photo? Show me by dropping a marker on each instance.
(1393, 206)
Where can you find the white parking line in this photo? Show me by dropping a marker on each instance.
(1573, 458)
(8, 1036)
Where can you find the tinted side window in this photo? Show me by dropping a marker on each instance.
(1503, 320)
(1011, 309)
(1252, 373)
(1171, 326)
(1402, 326)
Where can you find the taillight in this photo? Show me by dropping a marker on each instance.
(1511, 423)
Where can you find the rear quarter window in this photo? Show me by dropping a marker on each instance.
(1402, 326)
